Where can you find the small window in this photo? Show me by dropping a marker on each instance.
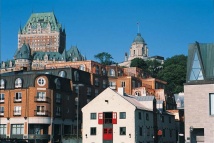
(58, 84)
(139, 115)
(147, 116)
(162, 118)
(96, 81)
(18, 83)
(58, 111)
(62, 74)
(41, 96)
(170, 120)
(1, 97)
(17, 110)
(1, 111)
(212, 104)
(122, 115)
(122, 130)
(88, 91)
(41, 81)
(104, 83)
(123, 84)
(18, 96)
(93, 131)
(141, 131)
(112, 72)
(97, 70)
(93, 116)
(96, 92)
(2, 84)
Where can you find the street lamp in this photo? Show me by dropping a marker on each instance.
(78, 85)
(190, 133)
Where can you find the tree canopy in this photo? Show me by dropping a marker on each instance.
(174, 73)
(104, 58)
(138, 62)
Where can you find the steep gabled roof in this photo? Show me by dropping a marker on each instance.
(73, 53)
(23, 52)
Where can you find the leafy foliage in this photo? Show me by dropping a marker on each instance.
(153, 67)
(138, 62)
(174, 73)
(104, 58)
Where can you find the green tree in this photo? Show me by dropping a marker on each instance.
(104, 58)
(153, 67)
(140, 63)
(174, 73)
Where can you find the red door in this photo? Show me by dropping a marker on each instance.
(107, 134)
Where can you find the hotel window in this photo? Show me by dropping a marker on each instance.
(18, 96)
(123, 84)
(18, 83)
(122, 130)
(212, 104)
(17, 110)
(93, 116)
(17, 129)
(1, 97)
(1, 111)
(122, 115)
(2, 129)
(93, 131)
(41, 96)
(2, 84)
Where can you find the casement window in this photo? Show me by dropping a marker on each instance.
(100, 118)
(123, 84)
(2, 129)
(114, 117)
(1, 111)
(93, 116)
(17, 110)
(58, 98)
(2, 84)
(88, 91)
(18, 83)
(18, 96)
(40, 110)
(58, 111)
(212, 104)
(93, 131)
(122, 130)
(41, 96)
(122, 115)
(112, 85)
(17, 129)
(1, 97)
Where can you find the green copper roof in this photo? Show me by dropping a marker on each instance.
(73, 53)
(23, 52)
(51, 56)
(200, 55)
(43, 20)
(138, 39)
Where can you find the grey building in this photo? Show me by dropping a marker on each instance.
(199, 94)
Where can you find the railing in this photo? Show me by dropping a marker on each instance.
(41, 99)
(41, 113)
(17, 99)
(17, 112)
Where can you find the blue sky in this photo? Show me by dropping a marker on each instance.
(95, 26)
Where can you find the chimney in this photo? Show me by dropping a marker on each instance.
(121, 90)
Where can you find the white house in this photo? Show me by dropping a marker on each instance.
(114, 117)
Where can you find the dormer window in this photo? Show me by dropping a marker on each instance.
(2, 84)
(62, 74)
(112, 72)
(41, 81)
(18, 83)
(82, 67)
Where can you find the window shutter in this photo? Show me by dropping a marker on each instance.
(114, 118)
(100, 118)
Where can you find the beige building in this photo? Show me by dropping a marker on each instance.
(199, 94)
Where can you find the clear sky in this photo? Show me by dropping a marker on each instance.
(95, 26)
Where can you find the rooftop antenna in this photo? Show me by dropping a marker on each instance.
(138, 27)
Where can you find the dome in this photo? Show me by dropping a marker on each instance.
(138, 39)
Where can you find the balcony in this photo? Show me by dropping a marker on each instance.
(17, 112)
(17, 99)
(41, 99)
(41, 113)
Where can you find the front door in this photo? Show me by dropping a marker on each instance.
(107, 134)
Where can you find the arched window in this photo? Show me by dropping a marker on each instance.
(62, 74)
(18, 83)
(2, 84)
(82, 67)
(112, 72)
